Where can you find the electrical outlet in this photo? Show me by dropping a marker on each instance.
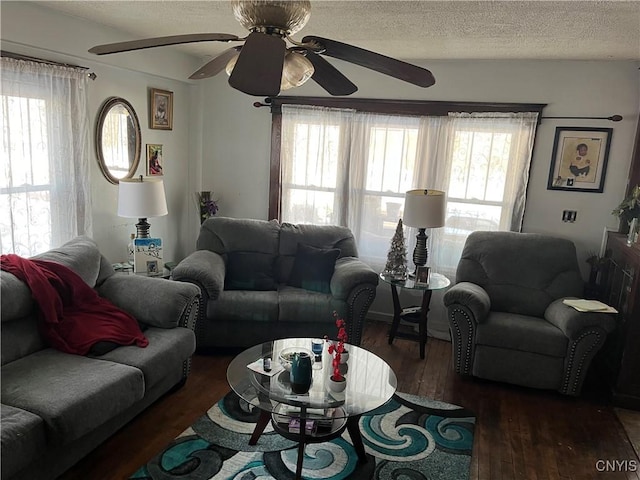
(569, 216)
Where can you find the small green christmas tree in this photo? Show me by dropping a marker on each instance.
(396, 267)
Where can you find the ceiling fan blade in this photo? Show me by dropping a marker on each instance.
(216, 65)
(380, 63)
(328, 77)
(258, 70)
(161, 42)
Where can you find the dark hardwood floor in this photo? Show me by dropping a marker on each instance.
(520, 433)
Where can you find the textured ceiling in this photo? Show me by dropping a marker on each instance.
(411, 30)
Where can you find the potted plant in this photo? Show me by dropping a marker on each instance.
(337, 381)
(208, 206)
(628, 209)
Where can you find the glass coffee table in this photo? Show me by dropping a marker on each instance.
(370, 383)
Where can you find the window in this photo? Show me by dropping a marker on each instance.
(25, 188)
(312, 178)
(44, 179)
(352, 168)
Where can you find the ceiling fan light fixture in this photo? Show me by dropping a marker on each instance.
(296, 71)
(231, 63)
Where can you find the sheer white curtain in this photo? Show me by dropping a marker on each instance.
(44, 181)
(352, 168)
(314, 164)
(383, 161)
(482, 161)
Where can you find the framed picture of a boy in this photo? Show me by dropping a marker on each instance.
(161, 115)
(579, 159)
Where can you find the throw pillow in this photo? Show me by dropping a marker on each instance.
(250, 271)
(102, 347)
(313, 268)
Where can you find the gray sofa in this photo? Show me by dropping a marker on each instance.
(263, 280)
(506, 315)
(57, 407)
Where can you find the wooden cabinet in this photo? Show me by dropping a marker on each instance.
(621, 289)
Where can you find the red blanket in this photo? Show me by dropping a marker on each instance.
(73, 316)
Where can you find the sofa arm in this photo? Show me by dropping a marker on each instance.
(348, 274)
(154, 301)
(470, 295)
(573, 323)
(204, 268)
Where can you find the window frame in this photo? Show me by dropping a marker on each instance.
(382, 106)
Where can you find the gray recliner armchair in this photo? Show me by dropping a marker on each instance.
(507, 319)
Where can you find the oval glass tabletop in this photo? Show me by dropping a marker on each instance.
(370, 380)
(437, 281)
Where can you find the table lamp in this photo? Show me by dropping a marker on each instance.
(423, 209)
(142, 198)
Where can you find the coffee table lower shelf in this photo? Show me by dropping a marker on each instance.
(280, 424)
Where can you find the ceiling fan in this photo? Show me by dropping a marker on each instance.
(264, 64)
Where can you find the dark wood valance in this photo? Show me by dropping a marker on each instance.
(373, 105)
(404, 107)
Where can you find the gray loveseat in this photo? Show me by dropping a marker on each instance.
(506, 315)
(57, 407)
(263, 280)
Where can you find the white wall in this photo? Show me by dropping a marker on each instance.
(33, 30)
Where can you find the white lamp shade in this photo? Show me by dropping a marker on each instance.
(424, 208)
(141, 198)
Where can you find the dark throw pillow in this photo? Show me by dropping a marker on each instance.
(313, 268)
(102, 347)
(250, 271)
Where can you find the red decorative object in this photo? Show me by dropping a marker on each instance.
(338, 349)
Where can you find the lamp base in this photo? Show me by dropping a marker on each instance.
(420, 253)
(142, 228)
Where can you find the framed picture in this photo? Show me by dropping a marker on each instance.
(155, 165)
(422, 275)
(579, 159)
(161, 109)
(152, 267)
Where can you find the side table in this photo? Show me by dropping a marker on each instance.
(413, 314)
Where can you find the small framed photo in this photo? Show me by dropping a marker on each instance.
(422, 275)
(579, 159)
(152, 267)
(155, 164)
(161, 114)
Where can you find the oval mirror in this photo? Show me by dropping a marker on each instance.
(118, 139)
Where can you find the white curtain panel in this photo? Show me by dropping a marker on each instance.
(351, 168)
(314, 164)
(482, 161)
(44, 181)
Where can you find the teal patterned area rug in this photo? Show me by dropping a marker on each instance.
(409, 438)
